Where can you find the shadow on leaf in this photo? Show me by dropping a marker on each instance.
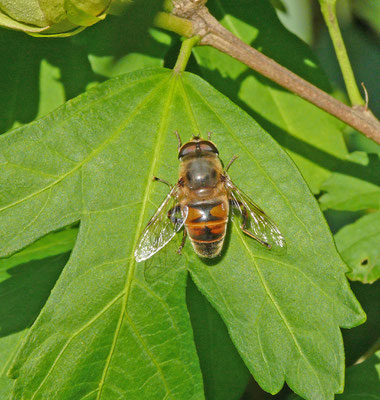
(25, 292)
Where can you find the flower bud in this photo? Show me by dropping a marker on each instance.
(55, 17)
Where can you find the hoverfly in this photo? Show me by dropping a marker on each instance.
(200, 202)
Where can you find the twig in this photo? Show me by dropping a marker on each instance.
(329, 14)
(213, 34)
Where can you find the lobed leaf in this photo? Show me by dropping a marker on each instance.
(214, 347)
(106, 332)
(358, 243)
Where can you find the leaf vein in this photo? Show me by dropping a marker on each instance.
(188, 107)
(93, 153)
(160, 300)
(31, 221)
(151, 356)
(74, 335)
(132, 263)
(300, 271)
(36, 171)
(279, 311)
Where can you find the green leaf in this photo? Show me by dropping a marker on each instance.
(224, 373)
(8, 346)
(225, 376)
(355, 185)
(362, 381)
(359, 245)
(312, 137)
(24, 288)
(50, 245)
(298, 19)
(107, 332)
(36, 78)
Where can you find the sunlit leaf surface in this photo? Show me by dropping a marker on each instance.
(29, 282)
(106, 332)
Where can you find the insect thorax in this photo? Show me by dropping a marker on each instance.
(201, 172)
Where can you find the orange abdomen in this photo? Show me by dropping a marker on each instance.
(206, 225)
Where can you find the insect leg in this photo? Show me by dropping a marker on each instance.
(179, 140)
(179, 251)
(231, 161)
(162, 181)
(243, 226)
(209, 136)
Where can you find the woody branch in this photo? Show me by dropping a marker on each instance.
(195, 19)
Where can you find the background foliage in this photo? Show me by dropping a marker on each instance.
(337, 164)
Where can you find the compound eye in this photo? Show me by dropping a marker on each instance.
(205, 145)
(187, 149)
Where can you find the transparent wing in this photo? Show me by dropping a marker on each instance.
(164, 261)
(254, 222)
(162, 227)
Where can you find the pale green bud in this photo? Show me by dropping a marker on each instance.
(55, 17)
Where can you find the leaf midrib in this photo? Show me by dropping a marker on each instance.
(132, 263)
(123, 293)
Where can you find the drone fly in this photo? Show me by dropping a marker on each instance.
(201, 202)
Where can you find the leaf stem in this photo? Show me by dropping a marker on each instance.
(329, 14)
(175, 24)
(184, 53)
